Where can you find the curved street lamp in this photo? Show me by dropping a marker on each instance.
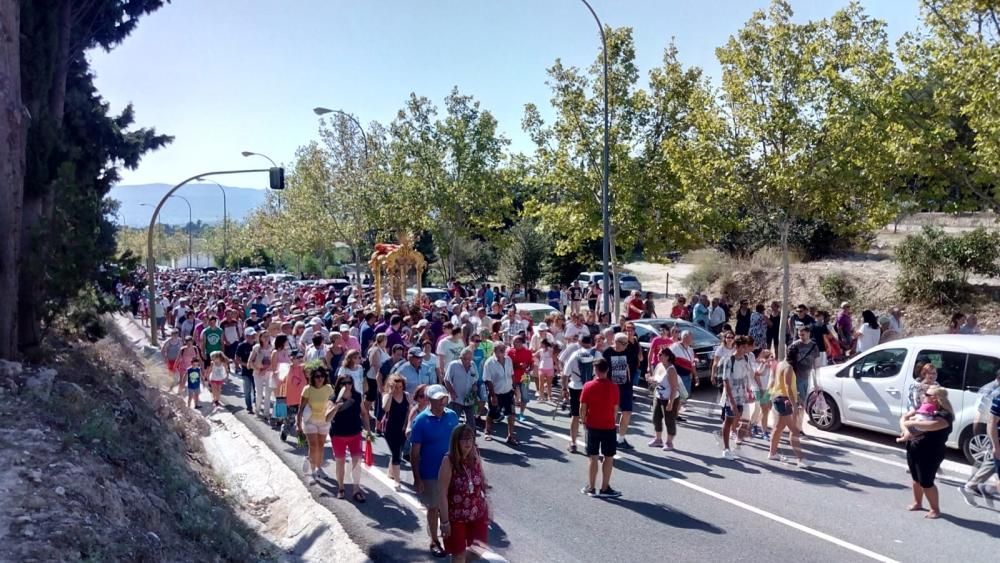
(190, 221)
(251, 153)
(323, 111)
(225, 220)
(605, 197)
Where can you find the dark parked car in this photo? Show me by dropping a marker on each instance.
(704, 344)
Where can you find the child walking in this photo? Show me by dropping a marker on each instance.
(218, 376)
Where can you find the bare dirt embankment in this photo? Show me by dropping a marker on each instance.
(97, 464)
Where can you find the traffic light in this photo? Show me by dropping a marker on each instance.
(277, 178)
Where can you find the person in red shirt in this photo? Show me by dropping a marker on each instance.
(679, 310)
(523, 361)
(598, 407)
(633, 306)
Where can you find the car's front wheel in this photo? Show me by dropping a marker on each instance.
(826, 418)
(976, 446)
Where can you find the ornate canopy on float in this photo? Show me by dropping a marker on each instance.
(392, 262)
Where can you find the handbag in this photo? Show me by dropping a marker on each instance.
(369, 454)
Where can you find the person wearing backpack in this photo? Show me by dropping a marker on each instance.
(579, 370)
(735, 377)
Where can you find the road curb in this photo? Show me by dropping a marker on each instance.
(273, 499)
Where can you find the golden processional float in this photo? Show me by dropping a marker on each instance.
(393, 262)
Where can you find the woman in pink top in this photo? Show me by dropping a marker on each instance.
(663, 340)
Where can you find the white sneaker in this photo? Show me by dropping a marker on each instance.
(306, 466)
(968, 494)
(776, 457)
(728, 454)
(320, 474)
(805, 463)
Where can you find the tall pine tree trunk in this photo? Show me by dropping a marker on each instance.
(39, 199)
(13, 126)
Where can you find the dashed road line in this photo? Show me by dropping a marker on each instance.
(734, 502)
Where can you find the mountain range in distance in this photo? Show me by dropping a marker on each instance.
(206, 203)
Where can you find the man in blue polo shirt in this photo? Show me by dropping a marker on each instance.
(430, 438)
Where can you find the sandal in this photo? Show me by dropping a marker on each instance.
(437, 550)
(512, 442)
(914, 507)
(488, 438)
(359, 497)
(341, 494)
(572, 448)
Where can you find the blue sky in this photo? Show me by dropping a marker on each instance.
(224, 76)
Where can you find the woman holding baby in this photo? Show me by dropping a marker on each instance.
(926, 430)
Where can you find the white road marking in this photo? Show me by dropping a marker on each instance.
(481, 551)
(956, 468)
(737, 503)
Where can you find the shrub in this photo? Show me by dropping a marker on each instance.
(935, 267)
(811, 239)
(836, 288)
(709, 267)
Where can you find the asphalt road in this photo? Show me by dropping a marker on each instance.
(688, 505)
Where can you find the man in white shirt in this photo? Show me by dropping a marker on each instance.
(576, 326)
(716, 316)
(579, 370)
(449, 350)
(511, 325)
(498, 374)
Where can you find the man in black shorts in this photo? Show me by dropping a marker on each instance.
(598, 406)
(498, 374)
(621, 374)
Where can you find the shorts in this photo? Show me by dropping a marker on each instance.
(762, 397)
(194, 390)
(802, 387)
(602, 441)
(431, 495)
(574, 401)
(464, 534)
(371, 393)
(309, 426)
(216, 385)
(625, 397)
(546, 372)
(171, 364)
(783, 406)
(522, 388)
(727, 411)
(342, 444)
(686, 380)
(505, 404)
(161, 322)
(230, 350)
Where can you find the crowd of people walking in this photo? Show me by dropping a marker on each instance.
(430, 378)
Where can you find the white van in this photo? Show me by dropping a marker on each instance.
(869, 391)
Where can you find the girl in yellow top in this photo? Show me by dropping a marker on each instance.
(784, 398)
(315, 427)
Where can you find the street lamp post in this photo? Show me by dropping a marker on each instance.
(364, 137)
(190, 225)
(151, 263)
(269, 159)
(605, 197)
(320, 111)
(189, 221)
(225, 222)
